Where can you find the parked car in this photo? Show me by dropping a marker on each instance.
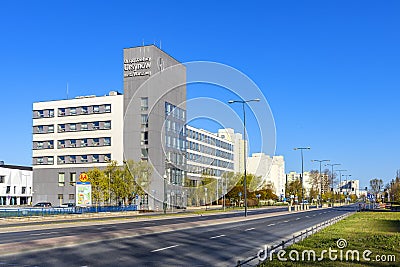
(68, 205)
(43, 204)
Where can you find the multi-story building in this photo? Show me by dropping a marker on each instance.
(271, 170)
(69, 137)
(350, 187)
(238, 147)
(307, 183)
(15, 185)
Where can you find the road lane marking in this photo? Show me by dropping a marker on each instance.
(250, 229)
(272, 224)
(218, 236)
(297, 219)
(161, 249)
(285, 221)
(307, 216)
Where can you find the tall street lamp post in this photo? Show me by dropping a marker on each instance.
(302, 171)
(243, 102)
(340, 184)
(320, 175)
(333, 193)
(165, 194)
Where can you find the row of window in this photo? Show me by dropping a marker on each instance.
(72, 159)
(73, 127)
(7, 190)
(206, 171)
(174, 112)
(72, 111)
(209, 150)
(209, 161)
(209, 140)
(175, 176)
(70, 143)
(175, 142)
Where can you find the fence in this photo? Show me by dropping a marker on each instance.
(293, 240)
(26, 212)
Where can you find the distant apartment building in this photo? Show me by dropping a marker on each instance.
(15, 185)
(71, 136)
(307, 183)
(239, 146)
(271, 169)
(350, 187)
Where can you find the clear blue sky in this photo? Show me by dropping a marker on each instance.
(329, 69)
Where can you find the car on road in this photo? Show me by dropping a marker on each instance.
(43, 205)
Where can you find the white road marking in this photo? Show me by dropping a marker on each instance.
(250, 229)
(307, 216)
(297, 219)
(218, 236)
(286, 221)
(161, 249)
(272, 224)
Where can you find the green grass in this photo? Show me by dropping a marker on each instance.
(378, 232)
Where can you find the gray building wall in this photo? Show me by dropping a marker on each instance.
(151, 73)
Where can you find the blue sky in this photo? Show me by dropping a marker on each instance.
(329, 69)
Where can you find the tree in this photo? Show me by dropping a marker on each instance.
(376, 186)
(294, 188)
(99, 185)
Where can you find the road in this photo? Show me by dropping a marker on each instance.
(213, 240)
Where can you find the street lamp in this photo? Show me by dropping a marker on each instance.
(165, 194)
(243, 102)
(320, 176)
(333, 193)
(302, 171)
(340, 184)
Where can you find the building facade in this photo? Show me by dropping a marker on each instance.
(71, 136)
(15, 185)
(271, 170)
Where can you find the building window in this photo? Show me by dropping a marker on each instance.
(144, 104)
(71, 197)
(23, 190)
(72, 178)
(61, 160)
(107, 157)
(144, 138)
(96, 141)
(72, 127)
(144, 152)
(96, 125)
(50, 144)
(84, 126)
(144, 120)
(96, 109)
(84, 159)
(61, 128)
(50, 129)
(72, 143)
(40, 129)
(39, 161)
(107, 141)
(39, 145)
(72, 111)
(108, 108)
(8, 189)
(95, 158)
(84, 110)
(61, 143)
(60, 196)
(107, 125)
(40, 114)
(72, 159)
(84, 142)
(61, 179)
(2, 179)
(50, 160)
(51, 113)
(61, 112)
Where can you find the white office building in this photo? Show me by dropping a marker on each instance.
(15, 185)
(271, 169)
(69, 137)
(307, 183)
(238, 147)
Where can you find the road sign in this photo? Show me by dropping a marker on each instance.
(240, 194)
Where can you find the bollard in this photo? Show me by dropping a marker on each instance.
(289, 208)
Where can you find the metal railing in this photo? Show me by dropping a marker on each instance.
(296, 238)
(26, 212)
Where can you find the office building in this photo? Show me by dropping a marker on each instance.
(271, 170)
(71, 136)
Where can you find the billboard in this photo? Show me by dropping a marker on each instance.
(83, 194)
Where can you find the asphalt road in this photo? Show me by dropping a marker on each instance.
(201, 243)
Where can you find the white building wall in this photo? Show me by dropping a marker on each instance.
(272, 171)
(15, 177)
(238, 150)
(116, 131)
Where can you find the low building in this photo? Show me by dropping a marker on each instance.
(15, 185)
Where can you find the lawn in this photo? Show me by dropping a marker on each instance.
(378, 232)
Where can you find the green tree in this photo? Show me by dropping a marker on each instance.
(99, 186)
